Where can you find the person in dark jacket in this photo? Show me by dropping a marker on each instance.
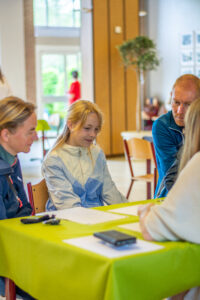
(170, 177)
(167, 130)
(17, 133)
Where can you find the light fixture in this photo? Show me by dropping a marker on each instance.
(142, 13)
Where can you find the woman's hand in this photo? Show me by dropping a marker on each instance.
(143, 211)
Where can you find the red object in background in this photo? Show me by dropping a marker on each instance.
(75, 91)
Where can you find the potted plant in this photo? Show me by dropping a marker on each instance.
(139, 53)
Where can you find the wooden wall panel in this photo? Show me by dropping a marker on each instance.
(117, 76)
(29, 42)
(101, 69)
(131, 31)
(115, 90)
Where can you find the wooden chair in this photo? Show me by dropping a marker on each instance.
(38, 196)
(140, 149)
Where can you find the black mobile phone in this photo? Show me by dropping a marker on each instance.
(116, 238)
(34, 219)
(52, 222)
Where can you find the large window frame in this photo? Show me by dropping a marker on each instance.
(43, 50)
(48, 11)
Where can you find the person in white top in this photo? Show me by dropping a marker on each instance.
(5, 90)
(165, 221)
(75, 169)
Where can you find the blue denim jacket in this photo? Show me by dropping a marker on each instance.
(168, 139)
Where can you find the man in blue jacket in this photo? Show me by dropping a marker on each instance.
(17, 133)
(168, 130)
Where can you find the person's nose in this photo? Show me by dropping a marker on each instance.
(181, 109)
(35, 137)
(93, 133)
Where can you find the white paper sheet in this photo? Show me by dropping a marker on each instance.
(131, 226)
(127, 210)
(84, 215)
(94, 244)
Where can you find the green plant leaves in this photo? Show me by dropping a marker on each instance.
(139, 52)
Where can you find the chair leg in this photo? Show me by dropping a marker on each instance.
(155, 179)
(180, 296)
(10, 291)
(148, 190)
(129, 190)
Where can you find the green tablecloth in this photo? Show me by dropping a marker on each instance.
(37, 259)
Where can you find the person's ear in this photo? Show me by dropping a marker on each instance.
(4, 134)
(171, 96)
(70, 125)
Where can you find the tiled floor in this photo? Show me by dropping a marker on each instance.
(118, 168)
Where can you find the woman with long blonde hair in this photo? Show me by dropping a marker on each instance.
(178, 217)
(75, 169)
(192, 133)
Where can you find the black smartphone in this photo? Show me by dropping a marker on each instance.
(116, 238)
(52, 222)
(34, 219)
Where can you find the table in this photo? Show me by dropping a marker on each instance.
(136, 134)
(35, 257)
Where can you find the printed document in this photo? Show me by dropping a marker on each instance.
(84, 215)
(127, 210)
(94, 244)
(131, 226)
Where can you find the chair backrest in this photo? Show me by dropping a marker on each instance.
(139, 149)
(38, 196)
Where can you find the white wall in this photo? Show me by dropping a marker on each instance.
(12, 56)
(167, 20)
(87, 84)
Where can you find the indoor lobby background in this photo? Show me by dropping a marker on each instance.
(103, 77)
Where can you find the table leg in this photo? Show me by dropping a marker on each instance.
(10, 291)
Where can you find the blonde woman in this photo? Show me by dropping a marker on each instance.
(75, 170)
(17, 133)
(165, 222)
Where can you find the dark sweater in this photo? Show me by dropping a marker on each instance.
(9, 205)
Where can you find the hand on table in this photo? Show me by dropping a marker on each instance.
(143, 211)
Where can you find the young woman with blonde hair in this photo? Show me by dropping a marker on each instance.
(75, 170)
(17, 133)
(178, 217)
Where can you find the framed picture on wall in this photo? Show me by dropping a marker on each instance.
(187, 70)
(187, 57)
(198, 71)
(187, 40)
(197, 39)
(198, 56)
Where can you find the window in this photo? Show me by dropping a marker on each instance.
(57, 13)
(53, 75)
(56, 72)
(55, 69)
(57, 32)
